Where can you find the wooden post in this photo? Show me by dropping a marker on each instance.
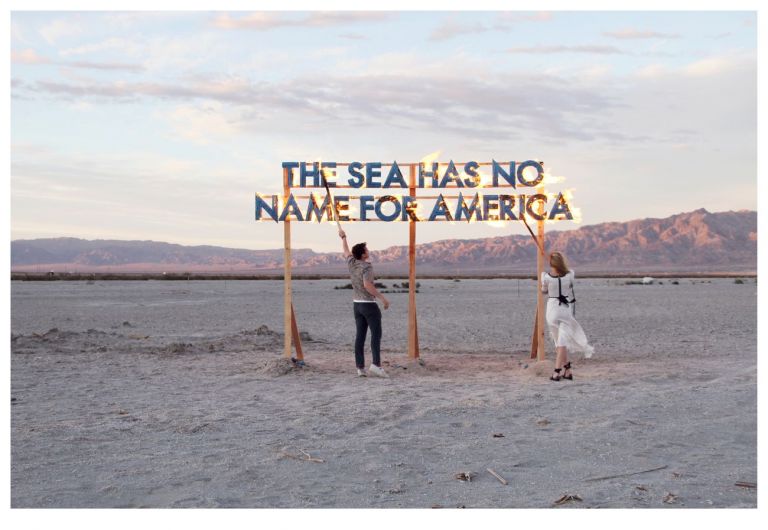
(540, 309)
(287, 291)
(413, 334)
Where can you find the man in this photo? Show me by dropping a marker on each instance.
(367, 313)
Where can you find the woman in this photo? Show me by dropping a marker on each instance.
(566, 332)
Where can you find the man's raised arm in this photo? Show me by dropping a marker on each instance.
(343, 237)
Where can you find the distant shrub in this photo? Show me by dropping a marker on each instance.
(738, 281)
(675, 282)
(348, 286)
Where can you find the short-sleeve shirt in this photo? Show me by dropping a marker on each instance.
(360, 270)
(550, 285)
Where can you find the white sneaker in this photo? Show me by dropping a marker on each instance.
(378, 371)
(361, 372)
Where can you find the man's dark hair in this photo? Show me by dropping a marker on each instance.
(358, 250)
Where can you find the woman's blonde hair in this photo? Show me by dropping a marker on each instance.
(558, 262)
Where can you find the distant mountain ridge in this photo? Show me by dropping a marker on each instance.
(697, 241)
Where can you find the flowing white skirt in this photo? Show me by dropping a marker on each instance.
(565, 330)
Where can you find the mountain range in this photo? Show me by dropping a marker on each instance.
(697, 241)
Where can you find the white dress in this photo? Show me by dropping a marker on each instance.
(563, 327)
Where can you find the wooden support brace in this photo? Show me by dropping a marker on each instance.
(296, 337)
(535, 336)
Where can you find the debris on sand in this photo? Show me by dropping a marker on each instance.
(177, 347)
(568, 497)
(264, 330)
(465, 476)
(497, 476)
(594, 479)
(670, 498)
(288, 452)
(498, 435)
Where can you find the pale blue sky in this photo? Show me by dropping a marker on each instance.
(163, 125)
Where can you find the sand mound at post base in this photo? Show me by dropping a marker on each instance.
(275, 367)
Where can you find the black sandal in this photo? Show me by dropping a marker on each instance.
(567, 366)
(554, 377)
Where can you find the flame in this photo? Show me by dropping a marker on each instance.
(485, 180)
(549, 178)
(576, 212)
(419, 210)
(497, 224)
(427, 160)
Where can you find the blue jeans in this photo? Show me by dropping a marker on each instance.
(367, 315)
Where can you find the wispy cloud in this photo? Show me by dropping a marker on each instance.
(453, 27)
(30, 56)
(202, 124)
(514, 16)
(421, 95)
(712, 66)
(110, 44)
(440, 101)
(353, 36)
(265, 21)
(126, 67)
(58, 29)
(633, 33)
(597, 49)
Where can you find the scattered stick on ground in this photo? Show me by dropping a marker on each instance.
(625, 474)
(499, 477)
(305, 456)
(746, 485)
(568, 497)
(670, 498)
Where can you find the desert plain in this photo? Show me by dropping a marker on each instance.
(175, 394)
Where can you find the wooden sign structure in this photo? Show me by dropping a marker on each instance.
(292, 338)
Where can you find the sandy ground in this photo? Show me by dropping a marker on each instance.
(173, 394)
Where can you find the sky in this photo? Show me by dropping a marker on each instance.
(162, 126)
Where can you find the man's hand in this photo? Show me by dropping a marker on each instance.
(385, 302)
(342, 234)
